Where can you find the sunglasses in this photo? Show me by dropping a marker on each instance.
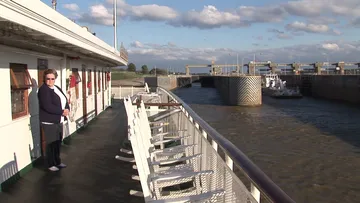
(50, 78)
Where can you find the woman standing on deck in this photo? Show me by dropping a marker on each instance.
(53, 111)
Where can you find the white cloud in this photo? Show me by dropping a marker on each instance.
(319, 14)
(152, 12)
(311, 28)
(212, 17)
(345, 7)
(165, 55)
(356, 22)
(71, 7)
(103, 13)
(311, 8)
(137, 44)
(283, 36)
(209, 17)
(171, 44)
(323, 20)
(331, 46)
(261, 14)
(305, 7)
(169, 52)
(98, 14)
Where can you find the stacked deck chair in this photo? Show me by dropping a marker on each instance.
(178, 170)
(155, 97)
(159, 138)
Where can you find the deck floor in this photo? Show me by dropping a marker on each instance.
(93, 174)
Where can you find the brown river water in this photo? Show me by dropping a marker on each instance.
(309, 147)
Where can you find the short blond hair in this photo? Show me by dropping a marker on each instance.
(49, 71)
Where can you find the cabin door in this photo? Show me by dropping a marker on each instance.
(95, 91)
(83, 73)
(42, 65)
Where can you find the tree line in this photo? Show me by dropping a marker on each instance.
(145, 70)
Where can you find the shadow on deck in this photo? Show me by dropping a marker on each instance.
(93, 174)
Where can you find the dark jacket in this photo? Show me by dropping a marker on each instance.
(50, 105)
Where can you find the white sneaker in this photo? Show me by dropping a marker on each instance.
(62, 165)
(53, 168)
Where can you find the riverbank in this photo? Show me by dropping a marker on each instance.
(128, 82)
(125, 78)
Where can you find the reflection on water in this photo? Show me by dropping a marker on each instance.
(309, 147)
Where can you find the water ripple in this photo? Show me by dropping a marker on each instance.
(309, 147)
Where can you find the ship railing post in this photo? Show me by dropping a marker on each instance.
(255, 192)
(213, 181)
(214, 145)
(229, 162)
(191, 129)
(197, 141)
(228, 178)
(204, 163)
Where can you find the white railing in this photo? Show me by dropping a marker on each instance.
(121, 92)
(234, 171)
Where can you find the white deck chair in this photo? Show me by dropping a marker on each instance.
(146, 92)
(133, 99)
(156, 136)
(152, 182)
(177, 159)
(180, 157)
(172, 151)
(169, 135)
(168, 153)
(159, 139)
(160, 124)
(130, 109)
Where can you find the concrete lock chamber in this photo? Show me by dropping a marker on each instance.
(245, 91)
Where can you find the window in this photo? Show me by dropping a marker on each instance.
(89, 85)
(20, 81)
(75, 79)
(42, 66)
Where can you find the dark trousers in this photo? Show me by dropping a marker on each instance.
(53, 153)
(53, 137)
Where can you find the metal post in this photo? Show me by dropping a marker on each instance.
(237, 63)
(115, 32)
(328, 64)
(254, 64)
(242, 66)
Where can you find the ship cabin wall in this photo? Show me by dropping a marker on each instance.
(20, 138)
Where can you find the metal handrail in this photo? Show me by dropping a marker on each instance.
(259, 178)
